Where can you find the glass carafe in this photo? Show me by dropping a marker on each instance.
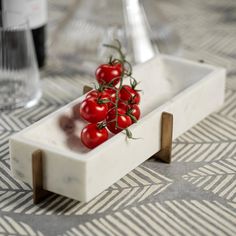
(137, 24)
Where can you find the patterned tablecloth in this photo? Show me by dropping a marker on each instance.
(195, 195)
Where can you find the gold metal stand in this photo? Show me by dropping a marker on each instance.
(39, 193)
(166, 138)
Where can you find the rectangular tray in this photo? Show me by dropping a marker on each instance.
(188, 90)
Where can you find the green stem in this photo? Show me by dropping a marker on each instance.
(124, 73)
(118, 49)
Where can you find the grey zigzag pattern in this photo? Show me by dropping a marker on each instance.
(203, 152)
(170, 218)
(217, 177)
(9, 227)
(135, 187)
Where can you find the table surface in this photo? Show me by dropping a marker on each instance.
(195, 195)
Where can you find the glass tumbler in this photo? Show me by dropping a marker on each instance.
(19, 75)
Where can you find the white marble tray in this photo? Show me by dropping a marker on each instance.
(188, 90)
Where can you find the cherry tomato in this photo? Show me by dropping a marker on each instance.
(129, 95)
(123, 120)
(93, 111)
(92, 135)
(123, 105)
(98, 94)
(108, 94)
(109, 73)
(112, 93)
(134, 112)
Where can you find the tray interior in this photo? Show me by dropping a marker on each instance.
(161, 79)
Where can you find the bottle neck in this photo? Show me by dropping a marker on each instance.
(34, 10)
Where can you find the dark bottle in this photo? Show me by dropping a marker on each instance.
(36, 12)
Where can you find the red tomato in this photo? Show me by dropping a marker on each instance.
(109, 74)
(134, 112)
(93, 111)
(123, 105)
(112, 93)
(130, 95)
(92, 136)
(123, 120)
(97, 94)
(108, 93)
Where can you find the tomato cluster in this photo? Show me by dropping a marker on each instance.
(112, 107)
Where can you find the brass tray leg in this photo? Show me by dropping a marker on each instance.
(39, 193)
(166, 138)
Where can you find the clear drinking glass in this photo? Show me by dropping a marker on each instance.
(19, 75)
